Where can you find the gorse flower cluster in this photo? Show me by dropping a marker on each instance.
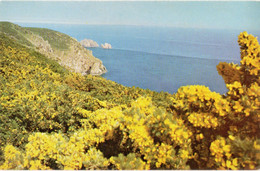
(221, 150)
(53, 119)
(250, 49)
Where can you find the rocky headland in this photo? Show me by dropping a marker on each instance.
(66, 50)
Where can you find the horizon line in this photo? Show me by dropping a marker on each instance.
(117, 24)
(124, 0)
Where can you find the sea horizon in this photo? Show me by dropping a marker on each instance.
(130, 25)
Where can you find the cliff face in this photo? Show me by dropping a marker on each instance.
(66, 50)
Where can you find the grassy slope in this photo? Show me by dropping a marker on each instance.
(15, 32)
(56, 39)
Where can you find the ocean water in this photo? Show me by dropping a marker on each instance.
(159, 58)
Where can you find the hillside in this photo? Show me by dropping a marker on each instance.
(51, 118)
(66, 50)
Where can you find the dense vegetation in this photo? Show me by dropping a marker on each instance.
(55, 119)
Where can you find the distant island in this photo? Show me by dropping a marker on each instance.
(106, 46)
(91, 43)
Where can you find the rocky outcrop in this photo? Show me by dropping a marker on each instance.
(106, 46)
(89, 43)
(96, 69)
(41, 45)
(75, 57)
(82, 60)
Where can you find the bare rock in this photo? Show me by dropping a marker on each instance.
(74, 56)
(97, 69)
(81, 60)
(89, 43)
(106, 46)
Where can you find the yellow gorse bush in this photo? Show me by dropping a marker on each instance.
(250, 53)
(53, 119)
(12, 158)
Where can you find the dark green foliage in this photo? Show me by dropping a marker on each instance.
(107, 90)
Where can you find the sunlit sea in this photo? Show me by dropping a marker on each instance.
(159, 58)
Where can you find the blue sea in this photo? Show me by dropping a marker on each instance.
(159, 58)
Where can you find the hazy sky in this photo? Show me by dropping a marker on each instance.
(222, 14)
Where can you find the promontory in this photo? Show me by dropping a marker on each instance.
(66, 50)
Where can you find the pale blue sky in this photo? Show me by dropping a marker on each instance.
(198, 14)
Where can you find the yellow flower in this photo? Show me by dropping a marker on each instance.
(256, 146)
(231, 137)
(226, 148)
(234, 162)
(184, 154)
(228, 163)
